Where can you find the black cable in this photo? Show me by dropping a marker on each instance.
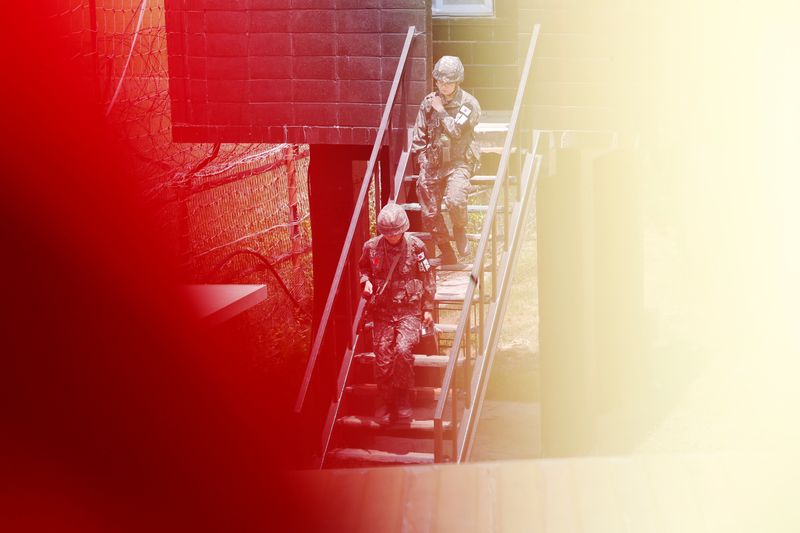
(269, 267)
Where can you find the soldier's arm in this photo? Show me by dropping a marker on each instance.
(364, 265)
(465, 120)
(420, 139)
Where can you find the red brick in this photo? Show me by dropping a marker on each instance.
(269, 44)
(415, 69)
(314, 68)
(363, 91)
(269, 114)
(226, 45)
(197, 67)
(178, 66)
(178, 88)
(315, 44)
(196, 45)
(358, 21)
(198, 113)
(270, 67)
(227, 68)
(238, 134)
(270, 90)
(269, 21)
(178, 107)
(227, 91)
(359, 68)
(198, 90)
(176, 44)
(313, 4)
(398, 20)
(224, 113)
(227, 21)
(173, 20)
(194, 134)
(312, 21)
(359, 4)
(360, 114)
(404, 4)
(256, 5)
(195, 22)
(212, 5)
(392, 45)
(316, 114)
(315, 91)
(358, 44)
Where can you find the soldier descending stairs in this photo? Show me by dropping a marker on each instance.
(469, 303)
(386, 416)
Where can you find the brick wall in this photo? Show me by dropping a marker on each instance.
(304, 71)
(583, 78)
(586, 67)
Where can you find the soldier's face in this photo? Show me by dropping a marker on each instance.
(447, 89)
(394, 239)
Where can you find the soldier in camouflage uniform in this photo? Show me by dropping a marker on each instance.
(447, 155)
(399, 311)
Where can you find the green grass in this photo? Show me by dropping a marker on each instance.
(515, 374)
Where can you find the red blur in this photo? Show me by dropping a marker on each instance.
(118, 413)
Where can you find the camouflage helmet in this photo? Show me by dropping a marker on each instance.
(392, 219)
(448, 70)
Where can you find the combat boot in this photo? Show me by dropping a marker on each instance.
(403, 409)
(460, 236)
(383, 414)
(448, 256)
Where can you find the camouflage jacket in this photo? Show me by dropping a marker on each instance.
(413, 283)
(445, 140)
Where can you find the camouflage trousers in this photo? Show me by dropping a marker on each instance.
(431, 187)
(392, 341)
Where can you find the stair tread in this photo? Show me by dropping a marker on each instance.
(476, 208)
(440, 328)
(419, 359)
(370, 389)
(457, 267)
(370, 422)
(477, 179)
(426, 236)
(380, 456)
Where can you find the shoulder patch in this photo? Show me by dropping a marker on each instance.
(422, 262)
(463, 115)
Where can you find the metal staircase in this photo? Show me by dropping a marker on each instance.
(469, 305)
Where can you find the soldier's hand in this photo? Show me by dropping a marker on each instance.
(436, 102)
(367, 289)
(427, 318)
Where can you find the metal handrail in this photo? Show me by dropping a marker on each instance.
(344, 371)
(497, 314)
(477, 269)
(354, 220)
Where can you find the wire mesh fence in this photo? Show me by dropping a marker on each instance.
(236, 213)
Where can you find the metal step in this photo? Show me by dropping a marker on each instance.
(491, 131)
(458, 267)
(478, 179)
(409, 428)
(419, 395)
(358, 456)
(470, 208)
(425, 236)
(440, 328)
(420, 360)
